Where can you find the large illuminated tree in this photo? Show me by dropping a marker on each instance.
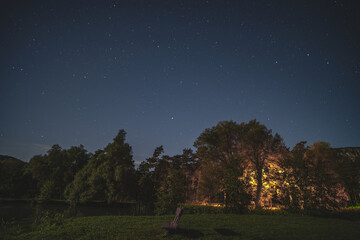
(259, 146)
(249, 146)
(218, 149)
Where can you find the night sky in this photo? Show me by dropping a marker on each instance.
(75, 72)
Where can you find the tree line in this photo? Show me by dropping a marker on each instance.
(236, 165)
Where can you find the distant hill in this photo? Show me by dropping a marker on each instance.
(13, 182)
(6, 157)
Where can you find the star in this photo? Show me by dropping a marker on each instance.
(141, 63)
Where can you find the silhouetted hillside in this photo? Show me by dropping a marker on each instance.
(5, 157)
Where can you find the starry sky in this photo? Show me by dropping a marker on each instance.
(75, 72)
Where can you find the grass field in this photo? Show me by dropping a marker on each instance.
(202, 226)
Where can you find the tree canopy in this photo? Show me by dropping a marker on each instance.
(230, 145)
(109, 174)
(236, 165)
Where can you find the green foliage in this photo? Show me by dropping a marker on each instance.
(171, 192)
(10, 229)
(109, 175)
(45, 220)
(56, 169)
(351, 213)
(209, 187)
(259, 144)
(47, 190)
(225, 151)
(348, 160)
(227, 157)
(215, 148)
(236, 189)
(165, 181)
(312, 182)
(203, 209)
(321, 162)
(38, 169)
(294, 178)
(264, 211)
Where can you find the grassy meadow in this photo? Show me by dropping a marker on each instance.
(192, 226)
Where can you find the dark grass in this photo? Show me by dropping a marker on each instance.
(201, 226)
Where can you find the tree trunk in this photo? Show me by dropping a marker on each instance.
(259, 179)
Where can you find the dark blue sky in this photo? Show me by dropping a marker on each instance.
(75, 72)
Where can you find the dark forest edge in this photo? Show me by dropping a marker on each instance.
(54, 202)
(236, 166)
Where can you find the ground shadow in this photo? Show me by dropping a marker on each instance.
(189, 233)
(226, 232)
